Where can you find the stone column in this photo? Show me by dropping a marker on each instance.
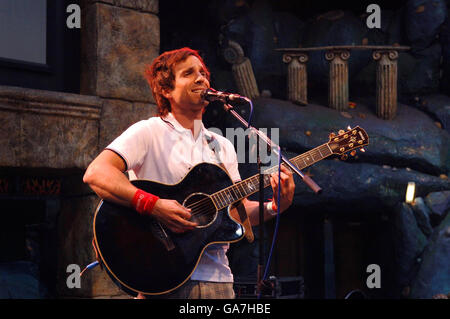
(245, 79)
(119, 38)
(242, 70)
(386, 83)
(338, 81)
(297, 78)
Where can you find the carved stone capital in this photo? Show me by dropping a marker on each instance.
(342, 54)
(233, 54)
(287, 58)
(391, 54)
(301, 57)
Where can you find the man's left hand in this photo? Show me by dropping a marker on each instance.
(287, 189)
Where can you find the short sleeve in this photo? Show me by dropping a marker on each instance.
(132, 144)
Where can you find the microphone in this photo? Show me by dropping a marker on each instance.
(213, 95)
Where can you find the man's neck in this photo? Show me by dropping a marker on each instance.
(187, 120)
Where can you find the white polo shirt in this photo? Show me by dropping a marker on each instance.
(161, 150)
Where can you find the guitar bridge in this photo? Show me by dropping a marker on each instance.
(161, 234)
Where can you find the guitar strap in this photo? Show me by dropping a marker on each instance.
(238, 212)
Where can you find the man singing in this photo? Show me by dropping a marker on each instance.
(163, 149)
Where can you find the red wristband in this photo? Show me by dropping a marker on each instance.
(144, 202)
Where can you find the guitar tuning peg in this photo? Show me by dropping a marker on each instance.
(341, 132)
(362, 149)
(332, 134)
(349, 128)
(353, 153)
(344, 157)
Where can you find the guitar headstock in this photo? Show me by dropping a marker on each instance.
(349, 140)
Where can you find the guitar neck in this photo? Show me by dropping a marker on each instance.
(249, 186)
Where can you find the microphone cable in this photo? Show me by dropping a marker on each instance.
(277, 220)
(251, 112)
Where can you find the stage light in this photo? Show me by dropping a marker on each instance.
(410, 190)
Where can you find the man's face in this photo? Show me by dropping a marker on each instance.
(190, 81)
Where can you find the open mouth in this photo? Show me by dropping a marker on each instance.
(199, 90)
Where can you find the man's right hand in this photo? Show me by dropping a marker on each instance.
(105, 176)
(174, 215)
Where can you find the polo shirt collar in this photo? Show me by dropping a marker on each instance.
(178, 127)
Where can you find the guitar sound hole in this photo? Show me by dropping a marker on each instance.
(203, 210)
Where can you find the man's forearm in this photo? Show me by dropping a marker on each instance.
(110, 184)
(252, 208)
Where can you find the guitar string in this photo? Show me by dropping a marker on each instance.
(205, 203)
(202, 205)
(295, 159)
(222, 197)
(312, 153)
(225, 197)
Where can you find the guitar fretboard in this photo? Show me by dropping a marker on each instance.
(249, 186)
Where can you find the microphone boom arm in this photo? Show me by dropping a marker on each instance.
(306, 179)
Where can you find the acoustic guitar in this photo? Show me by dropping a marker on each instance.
(141, 255)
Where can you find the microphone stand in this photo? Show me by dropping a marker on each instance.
(260, 269)
(306, 179)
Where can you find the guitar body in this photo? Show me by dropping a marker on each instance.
(142, 255)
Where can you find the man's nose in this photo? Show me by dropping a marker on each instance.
(200, 78)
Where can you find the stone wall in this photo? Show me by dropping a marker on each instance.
(43, 129)
(117, 43)
(119, 38)
(48, 129)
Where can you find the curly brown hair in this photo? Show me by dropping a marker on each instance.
(160, 75)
